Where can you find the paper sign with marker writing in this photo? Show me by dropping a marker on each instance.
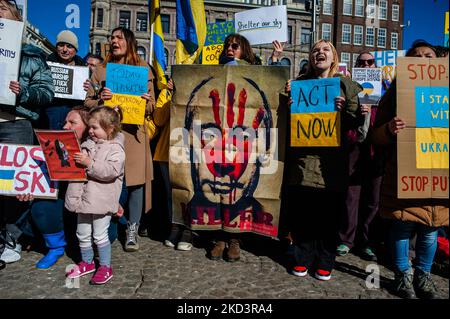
(126, 79)
(263, 25)
(217, 32)
(132, 106)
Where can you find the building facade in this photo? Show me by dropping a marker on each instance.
(359, 25)
(133, 14)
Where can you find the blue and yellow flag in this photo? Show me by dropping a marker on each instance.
(191, 30)
(159, 60)
(6, 179)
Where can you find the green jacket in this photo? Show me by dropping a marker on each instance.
(36, 84)
(326, 167)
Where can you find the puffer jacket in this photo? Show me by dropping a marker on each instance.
(326, 167)
(36, 84)
(100, 194)
(431, 212)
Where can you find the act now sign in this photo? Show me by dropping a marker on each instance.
(422, 148)
(314, 118)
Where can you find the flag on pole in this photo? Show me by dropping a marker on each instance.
(159, 60)
(191, 30)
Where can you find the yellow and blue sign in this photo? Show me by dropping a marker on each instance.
(6, 180)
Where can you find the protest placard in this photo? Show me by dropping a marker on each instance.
(386, 60)
(128, 83)
(23, 171)
(10, 45)
(215, 37)
(314, 118)
(68, 80)
(422, 147)
(58, 148)
(370, 80)
(226, 158)
(263, 25)
(446, 30)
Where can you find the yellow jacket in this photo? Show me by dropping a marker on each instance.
(161, 117)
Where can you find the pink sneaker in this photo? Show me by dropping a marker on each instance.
(102, 276)
(83, 268)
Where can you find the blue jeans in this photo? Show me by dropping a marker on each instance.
(426, 244)
(16, 132)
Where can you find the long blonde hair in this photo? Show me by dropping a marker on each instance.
(334, 66)
(13, 9)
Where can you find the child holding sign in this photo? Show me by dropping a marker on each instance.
(95, 201)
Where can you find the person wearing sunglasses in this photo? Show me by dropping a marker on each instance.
(365, 178)
(34, 90)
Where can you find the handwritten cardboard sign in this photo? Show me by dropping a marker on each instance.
(10, 45)
(211, 53)
(132, 106)
(314, 118)
(370, 80)
(422, 148)
(217, 32)
(58, 148)
(263, 25)
(68, 80)
(23, 171)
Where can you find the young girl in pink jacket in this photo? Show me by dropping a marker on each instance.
(97, 199)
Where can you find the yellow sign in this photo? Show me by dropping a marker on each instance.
(316, 129)
(211, 53)
(446, 31)
(432, 147)
(132, 106)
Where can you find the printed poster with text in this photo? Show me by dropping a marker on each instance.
(127, 83)
(59, 148)
(23, 171)
(227, 147)
(68, 80)
(314, 118)
(422, 147)
(387, 61)
(370, 80)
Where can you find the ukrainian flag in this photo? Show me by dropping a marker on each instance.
(191, 30)
(159, 60)
(6, 180)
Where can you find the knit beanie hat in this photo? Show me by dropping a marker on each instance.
(69, 37)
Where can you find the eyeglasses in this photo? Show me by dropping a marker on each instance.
(234, 46)
(369, 62)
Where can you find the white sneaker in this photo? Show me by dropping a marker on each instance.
(11, 255)
(184, 246)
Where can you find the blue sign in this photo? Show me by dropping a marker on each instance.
(126, 79)
(432, 106)
(217, 32)
(53, 16)
(314, 96)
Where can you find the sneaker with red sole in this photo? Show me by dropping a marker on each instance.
(102, 276)
(299, 271)
(83, 268)
(323, 274)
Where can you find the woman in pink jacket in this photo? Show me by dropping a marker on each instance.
(96, 200)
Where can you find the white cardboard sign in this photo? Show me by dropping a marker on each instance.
(68, 80)
(10, 44)
(263, 25)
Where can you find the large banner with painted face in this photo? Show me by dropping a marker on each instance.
(422, 147)
(226, 147)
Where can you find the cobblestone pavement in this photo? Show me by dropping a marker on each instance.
(158, 272)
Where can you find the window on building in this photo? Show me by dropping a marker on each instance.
(359, 8)
(395, 12)
(394, 40)
(99, 18)
(220, 20)
(165, 21)
(370, 36)
(124, 19)
(326, 31)
(166, 56)
(346, 33)
(141, 21)
(348, 7)
(327, 7)
(355, 58)
(370, 9)
(98, 48)
(382, 10)
(358, 34)
(289, 34)
(142, 53)
(305, 37)
(381, 42)
(345, 58)
(285, 61)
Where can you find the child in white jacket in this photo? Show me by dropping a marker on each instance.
(96, 200)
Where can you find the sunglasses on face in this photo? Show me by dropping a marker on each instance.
(234, 46)
(369, 62)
